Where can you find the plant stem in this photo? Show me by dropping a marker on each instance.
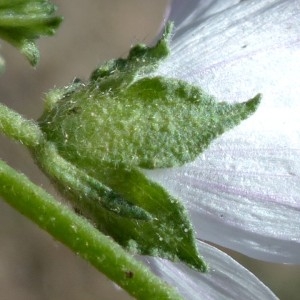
(15, 126)
(79, 235)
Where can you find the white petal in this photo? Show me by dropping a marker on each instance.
(226, 279)
(187, 12)
(243, 193)
(242, 198)
(246, 44)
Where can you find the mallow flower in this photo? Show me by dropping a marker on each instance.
(243, 191)
(156, 138)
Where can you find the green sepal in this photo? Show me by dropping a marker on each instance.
(142, 60)
(81, 188)
(124, 204)
(169, 234)
(24, 21)
(153, 123)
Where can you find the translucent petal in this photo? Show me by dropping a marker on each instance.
(186, 13)
(226, 279)
(261, 34)
(244, 191)
(242, 198)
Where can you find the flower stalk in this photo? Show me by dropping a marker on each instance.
(80, 236)
(18, 128)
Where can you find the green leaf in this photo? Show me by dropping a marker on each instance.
(24, 21)
(101, 133)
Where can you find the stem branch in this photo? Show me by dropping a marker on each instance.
(79, 235)
(15, 126)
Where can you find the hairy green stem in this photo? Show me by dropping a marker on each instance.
(15, 126)
(79, 235)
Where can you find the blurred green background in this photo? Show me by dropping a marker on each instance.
(33, 266)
